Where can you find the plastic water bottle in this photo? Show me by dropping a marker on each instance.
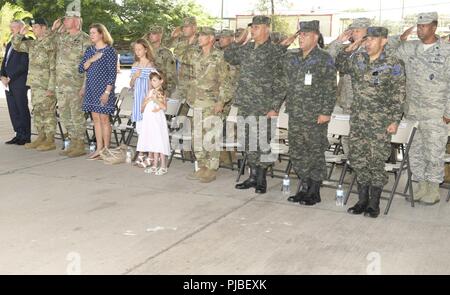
(129, 155)
(340, 196)
(66, 143)
(286, 185)
(92, 147)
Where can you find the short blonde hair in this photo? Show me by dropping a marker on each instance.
(101, 29)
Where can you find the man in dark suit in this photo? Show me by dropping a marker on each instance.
(14, 77)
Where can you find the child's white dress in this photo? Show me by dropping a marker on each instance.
(155, 134)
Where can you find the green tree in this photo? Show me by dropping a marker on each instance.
(127, 20)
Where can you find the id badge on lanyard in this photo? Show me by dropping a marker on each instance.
(308, 79)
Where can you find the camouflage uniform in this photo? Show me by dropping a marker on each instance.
(165, 61)
(259, 89)
(379, 92)
(183, 50)
(41, 78)
(428, 100)
(304, 103)
(233, 76)
(69, 51)
(208, 87)
(345, 92)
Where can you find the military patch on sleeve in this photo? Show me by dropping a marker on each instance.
(396, 70)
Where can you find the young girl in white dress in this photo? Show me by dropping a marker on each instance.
(154, 137)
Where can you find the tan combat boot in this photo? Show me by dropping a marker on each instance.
(35, 143)
(432, 195)
(422, 189)
(208, 176)
(78, 149)
(48, 144)
(198, 174)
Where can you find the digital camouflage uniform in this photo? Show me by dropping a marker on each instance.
(428, 100)
(41, 79)
(304, 103)
(182, 50)
(208, 88)
(379, 89)
(260, 89)
(165, 61)
(69, 52)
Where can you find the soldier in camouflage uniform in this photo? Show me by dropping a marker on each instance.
(311, 95)
(184, 46)
(164, 59)
(41, 79)
(70, 47)
(210, 79)
(356, 31)
(260, 93)
(226, 38)
(428, 102)
(379, 88)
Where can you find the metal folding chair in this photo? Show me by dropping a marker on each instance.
(405, 135)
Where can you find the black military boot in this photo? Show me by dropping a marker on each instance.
(312, 197)
(373, 208)
(302, 193)
(261, 182)
(250, 182)
(360, 207)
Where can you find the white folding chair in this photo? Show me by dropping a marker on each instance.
(338, 127)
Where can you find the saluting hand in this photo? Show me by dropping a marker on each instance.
(176, 33)
(345, 36)
(23, 30)
(406, 34)
(288, 41)
(243, 37)
(56, 24)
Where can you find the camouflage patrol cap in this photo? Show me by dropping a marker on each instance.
(226, 33)
(261, 20)
(189, 21)
(206, 31)
(377, 32)
(156, 30)
(426, 18)
(360, 23)
(38, 21)
(73, 13)
(311, 26)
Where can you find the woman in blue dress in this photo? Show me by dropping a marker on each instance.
(100, 64)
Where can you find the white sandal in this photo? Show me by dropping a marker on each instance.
(151, 170)
(161, 171)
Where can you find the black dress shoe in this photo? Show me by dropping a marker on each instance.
(12, 141)
(312, 197)
(22, 141)
(297, 198)
(357, 209)
(250, 182)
